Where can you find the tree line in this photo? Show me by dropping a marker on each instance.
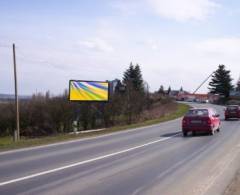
(45, 115)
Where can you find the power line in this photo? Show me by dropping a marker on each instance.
(22, 56)
(5, 46)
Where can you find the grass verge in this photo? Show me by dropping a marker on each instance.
(6, 143)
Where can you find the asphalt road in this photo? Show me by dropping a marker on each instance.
(150, 160)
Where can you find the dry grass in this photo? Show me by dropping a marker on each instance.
(156, 115)
(159, 110)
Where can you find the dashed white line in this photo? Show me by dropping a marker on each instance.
(88, 138)
(84, 162)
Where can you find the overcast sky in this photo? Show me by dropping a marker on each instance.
(176, 42)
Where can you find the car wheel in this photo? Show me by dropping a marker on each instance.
(184, 134)
(218, 130)
(194, 133)
(226, 119)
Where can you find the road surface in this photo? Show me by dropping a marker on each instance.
(149, 160)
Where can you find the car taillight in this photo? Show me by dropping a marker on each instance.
(185, 121)
(209, 121)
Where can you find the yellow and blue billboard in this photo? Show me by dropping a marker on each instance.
(88, 90)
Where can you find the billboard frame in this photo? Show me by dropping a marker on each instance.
(89, 101)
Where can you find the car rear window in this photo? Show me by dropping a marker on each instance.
(198, 112)
(232, 107)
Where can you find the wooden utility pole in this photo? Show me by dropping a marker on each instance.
(17, 130)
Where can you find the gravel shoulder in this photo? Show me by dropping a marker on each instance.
(234, 187)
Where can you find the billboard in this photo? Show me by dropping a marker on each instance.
(88, 91)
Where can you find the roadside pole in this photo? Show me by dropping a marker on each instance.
(17, 130)
(203, 82)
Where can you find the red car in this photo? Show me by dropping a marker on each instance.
(201, 120)
(232, 111)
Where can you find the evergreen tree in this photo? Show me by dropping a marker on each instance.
(134, 92)
(133, 76)
(128, 74)
(238, 85)
(138, 81)
(221, 82)
(169, 90)
(161, 90)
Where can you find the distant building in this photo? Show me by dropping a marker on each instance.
(115, 85)
(197, 97)
(213, 98)
(177, 94)
(173, 93)
(234, 95)
(186, 96)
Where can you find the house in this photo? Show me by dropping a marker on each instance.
(193, 97)
(116, 85)
(181, 95)
(197, 97)
(213, 98)
(234, 95)
(178, 95)
(112, 85)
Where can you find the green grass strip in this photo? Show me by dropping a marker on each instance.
(6, 143)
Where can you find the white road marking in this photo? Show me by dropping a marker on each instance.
(84, 162)
(88, 138)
